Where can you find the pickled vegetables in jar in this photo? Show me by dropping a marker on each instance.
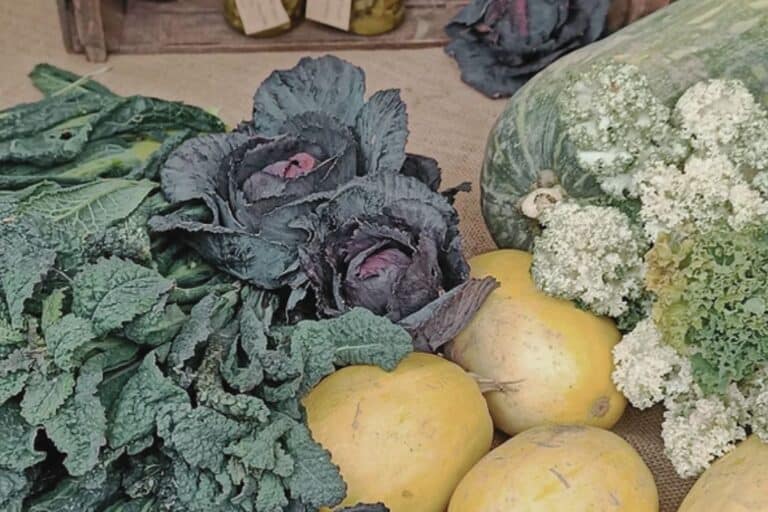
(294, 9)
(372, 17)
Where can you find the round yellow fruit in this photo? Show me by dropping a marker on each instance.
(738, 482)
(404, 438)
(544, 360)
(558, 468)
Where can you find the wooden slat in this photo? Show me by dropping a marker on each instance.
(193, 26)
(90, 29)
(68, 28)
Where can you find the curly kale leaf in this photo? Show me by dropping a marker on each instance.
(315, 480)
(207, 316)
(15, 370)
(86, 493)
(157, 326)
(65, 222)
(241, 366)
(113, 291)
(51, 80)
(14, 487)
(44, 395)
(68, 341)
(17, 443)
(24, 261)
(711, 301)
(133, 415)
(79, 426)
(357, 337)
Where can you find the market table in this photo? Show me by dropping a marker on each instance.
(447, 119)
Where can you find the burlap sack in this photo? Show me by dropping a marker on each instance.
(448, 120)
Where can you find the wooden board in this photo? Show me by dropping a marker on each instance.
(194, 26)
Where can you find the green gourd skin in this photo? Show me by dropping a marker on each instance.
(675, 47)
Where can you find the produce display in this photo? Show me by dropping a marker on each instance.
(634, 170)
(279, 316)
(170, 291)
(540, 359)
(559, 467)
(406, 437)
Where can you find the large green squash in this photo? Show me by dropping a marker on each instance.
(675, 47)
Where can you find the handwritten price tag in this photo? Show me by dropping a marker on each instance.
(334, 13)
(261, 15)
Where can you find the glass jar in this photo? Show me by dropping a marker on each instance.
(294, 8)
(373, 17)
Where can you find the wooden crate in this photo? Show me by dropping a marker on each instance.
(100, 27)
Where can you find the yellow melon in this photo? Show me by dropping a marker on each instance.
(543, 359)
(404, 438)
(738, 482)
(559, 468)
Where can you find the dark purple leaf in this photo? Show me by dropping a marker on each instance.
(440, 321)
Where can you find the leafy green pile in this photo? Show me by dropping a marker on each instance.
(133, 375)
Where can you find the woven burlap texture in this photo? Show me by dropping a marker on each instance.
(448, 121)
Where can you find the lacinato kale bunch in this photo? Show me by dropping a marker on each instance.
(316, 196)
(500, 44)
(134, 375)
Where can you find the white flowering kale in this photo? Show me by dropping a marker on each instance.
(589, 253)
(662, 373)
(679, 245)
(722, 117)
(706, 191)
(617, 123)
(698, 429)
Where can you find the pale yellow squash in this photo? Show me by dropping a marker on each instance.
(559, 468)
(404, 438)
(544, 360)
(738, 482)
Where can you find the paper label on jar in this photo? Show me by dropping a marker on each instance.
(334, 13)
(261, 15)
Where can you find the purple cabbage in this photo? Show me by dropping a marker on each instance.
(317, 196)
(500, 44)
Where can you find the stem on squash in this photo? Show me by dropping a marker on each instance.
(533, 204)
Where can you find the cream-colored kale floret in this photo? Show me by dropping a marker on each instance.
(647, 370)
(707, 191)
(722, 117)
(617, 123)
(698, 429)
(589, 253)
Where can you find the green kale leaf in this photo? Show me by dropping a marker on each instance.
(113, 291)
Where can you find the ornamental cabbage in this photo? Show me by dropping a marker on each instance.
(317, 197)
(597, 254)
(676, 249)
